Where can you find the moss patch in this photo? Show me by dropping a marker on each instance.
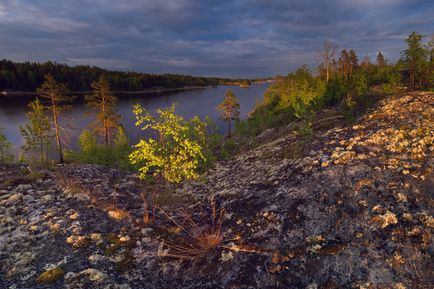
(50, 276)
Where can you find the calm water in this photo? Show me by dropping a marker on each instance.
(189, 103)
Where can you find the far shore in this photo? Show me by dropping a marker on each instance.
(151, 90)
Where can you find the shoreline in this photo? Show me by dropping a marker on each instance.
(78, 96)
(6, 93)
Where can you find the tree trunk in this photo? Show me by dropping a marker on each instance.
(229, 126)
(105, 132)
(58, 141)
(41, 144)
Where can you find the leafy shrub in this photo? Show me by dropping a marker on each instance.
(91, 152)
(175, 152)
(6, 155)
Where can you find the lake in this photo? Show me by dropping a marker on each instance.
(200, 102)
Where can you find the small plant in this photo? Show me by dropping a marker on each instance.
(196, 239)
(37, 134)
(6, 155)
(146, 214)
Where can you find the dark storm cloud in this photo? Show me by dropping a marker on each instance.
(205, 37)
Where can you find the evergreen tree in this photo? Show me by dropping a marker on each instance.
(121, 149)
(103, 103)
(415, 58)
(344, 63)
(380, 60)
(229, 109)
(5, 147)
(55, 94)
(366, 62)
(353, 61)
(431, 63)
(37, 134)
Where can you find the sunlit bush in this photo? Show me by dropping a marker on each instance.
(174, 152)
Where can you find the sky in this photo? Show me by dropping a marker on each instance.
(236, 38)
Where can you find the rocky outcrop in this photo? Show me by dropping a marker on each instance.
(351, 207)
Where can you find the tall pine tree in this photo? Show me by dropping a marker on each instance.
(103, 103)
(415, 59)
(55, 94)
(229, 109)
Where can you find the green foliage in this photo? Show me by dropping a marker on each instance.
(121, 149)
(416, 59)
(6, 155)
(91, 152)
(175, 152)
(289, 98)
(55, 94)
(264, 117)
(229, 109)
(298, 92)
(360, 84)
(103, 103)
(337, 89)
(392, 82)
(37, 134)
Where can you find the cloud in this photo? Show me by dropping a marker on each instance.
(245, 38)
(15, 13)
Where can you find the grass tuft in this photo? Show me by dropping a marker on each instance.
(197, 238)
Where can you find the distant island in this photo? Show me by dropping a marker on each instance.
(22, 78)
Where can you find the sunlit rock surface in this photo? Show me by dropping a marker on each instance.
(354, 209)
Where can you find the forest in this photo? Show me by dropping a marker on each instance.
(27, 76)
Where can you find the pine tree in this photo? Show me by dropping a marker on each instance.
(353, 61)
(121, 149)
(381, 61)
(366, 62)
(344, 63)
(37, 134)
(5, 147)
(55, 94)
(431, 63)
(103, 103)
(229, 109)
(415, 58)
